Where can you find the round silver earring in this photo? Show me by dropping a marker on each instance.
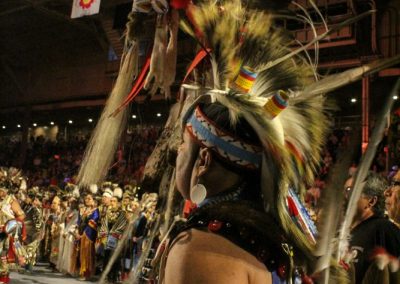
(198, 193)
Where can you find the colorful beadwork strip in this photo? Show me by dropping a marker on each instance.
(225, 145)
(277, 103)
(301, 217)
(245, 80)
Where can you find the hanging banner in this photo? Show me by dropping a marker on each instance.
(82, 8)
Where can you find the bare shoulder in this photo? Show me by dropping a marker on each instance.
(203, 257)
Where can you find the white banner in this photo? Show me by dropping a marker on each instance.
(82, 8)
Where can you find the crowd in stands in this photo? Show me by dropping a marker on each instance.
(338, 142)
(64, 218)
(57, 162)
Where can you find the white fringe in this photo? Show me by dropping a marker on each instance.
(105, 138)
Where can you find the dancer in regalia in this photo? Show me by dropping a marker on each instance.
(86, 234)
(11, 223)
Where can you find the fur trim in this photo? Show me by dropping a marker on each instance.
(93, 188)
(75, 192)
(108, 192)
(118, 192)
(23, 185)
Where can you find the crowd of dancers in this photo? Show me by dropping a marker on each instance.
(75, 231)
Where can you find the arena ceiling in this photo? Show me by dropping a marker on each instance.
(40, 34)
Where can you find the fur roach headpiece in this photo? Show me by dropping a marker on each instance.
(242, 43)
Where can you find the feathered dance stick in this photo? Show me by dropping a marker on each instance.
(332, 198)
(363, 171)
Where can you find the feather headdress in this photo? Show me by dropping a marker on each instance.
(242, 42)
(258, 77)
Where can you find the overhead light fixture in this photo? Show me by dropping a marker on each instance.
(19, 125)
(159, 114)
(51, 122)
(90, 120)
(134, 116)
(34, 125)
(4, 127)
(70, 121)
(353, 100)
(395, 97)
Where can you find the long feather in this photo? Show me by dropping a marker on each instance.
(362, 171)
(332, 198)
(336, 81)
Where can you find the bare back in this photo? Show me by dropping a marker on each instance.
(203, 257)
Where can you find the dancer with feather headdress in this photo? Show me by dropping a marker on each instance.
(253, 138)
(245, 147)
(11, 222)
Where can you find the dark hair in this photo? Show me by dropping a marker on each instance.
(220, 115)
(375, 186)
(86, 194)
(242, 130)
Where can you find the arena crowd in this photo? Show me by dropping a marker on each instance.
(77, 230)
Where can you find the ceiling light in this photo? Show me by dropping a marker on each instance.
(51, 122)
(134, 116)
(34, 125)
(158, 114)
(19, 125)
(90, 120)
(70, 121)
(353, 100)
(4, 127)
(395, 97)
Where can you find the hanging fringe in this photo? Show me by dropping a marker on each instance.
(171, 54)
(105, 138)
(154, 79)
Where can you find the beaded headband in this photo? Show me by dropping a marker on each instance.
(228, 147)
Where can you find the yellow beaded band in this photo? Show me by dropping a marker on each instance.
(277, 103)
(245, 80)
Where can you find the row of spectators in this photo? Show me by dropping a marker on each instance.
(56, 162)
(338, 142)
